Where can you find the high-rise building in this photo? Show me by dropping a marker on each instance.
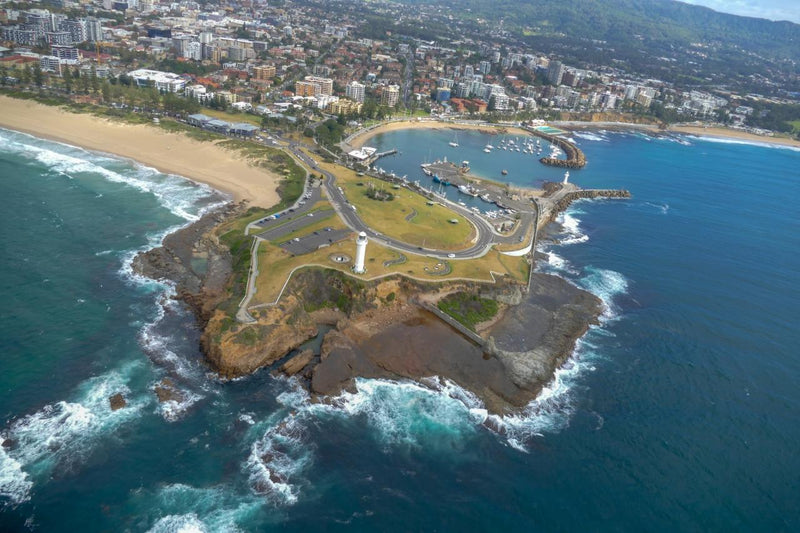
(194, 50)
(66, 53)
(264, 72)
(50, 64)
(390, 95)
(94, 29)
(237, 53)
(485, 67)
(76, 29)
(314, 86)
(555, 72)
(355, 91)
(59, 38)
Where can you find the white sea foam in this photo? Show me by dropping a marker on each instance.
(277, 459)
(572, 231)
(552, 410)
(15, 485)
(209, 509)
(762, 144)
(406, 413)
(589, 136)
(188, 523)
(177, 194)
(65, 433)
(606, 285)
(663, 208)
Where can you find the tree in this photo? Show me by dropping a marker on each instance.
(38, 76)
(85, 84)
(106, 91)
(95, 83)
(3, 75)
(67, 79)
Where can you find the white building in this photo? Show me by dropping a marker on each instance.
(361, 253)
(163, 81)
(355, 91)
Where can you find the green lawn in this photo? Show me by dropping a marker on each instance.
(429, 227)
(232, 117)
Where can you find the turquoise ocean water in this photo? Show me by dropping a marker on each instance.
(677, 412)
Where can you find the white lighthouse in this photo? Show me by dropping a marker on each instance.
(361, 252)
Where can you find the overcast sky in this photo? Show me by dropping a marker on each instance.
(767, 9)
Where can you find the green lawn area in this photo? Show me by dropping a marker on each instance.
(427, 225)
(232, 117)
(795, 125)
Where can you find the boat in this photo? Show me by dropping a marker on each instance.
(485, 198)
(504, 172)
(468, 190)
(454, 142)
(487, 150)
(489, 146)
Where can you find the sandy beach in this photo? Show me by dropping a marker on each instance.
(722, 133)
(727, 133)
(364, 136)
(171, 153)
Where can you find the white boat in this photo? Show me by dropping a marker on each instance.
(489, 146)
(454, 142)
(487, 150)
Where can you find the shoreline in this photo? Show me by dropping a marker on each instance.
(733, 135)
(358, 139)
(169, 153)
(362, 137)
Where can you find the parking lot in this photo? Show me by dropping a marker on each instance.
(312, 242)
(296, 221)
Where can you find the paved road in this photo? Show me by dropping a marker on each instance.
(350, 217)
(290, 224)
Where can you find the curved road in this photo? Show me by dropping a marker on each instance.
(482, 243)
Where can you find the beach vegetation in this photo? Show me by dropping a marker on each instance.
(468, 309)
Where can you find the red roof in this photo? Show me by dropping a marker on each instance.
(19, 59)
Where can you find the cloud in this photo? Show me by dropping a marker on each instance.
(768, 9)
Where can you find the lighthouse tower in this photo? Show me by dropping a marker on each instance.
(361, 252)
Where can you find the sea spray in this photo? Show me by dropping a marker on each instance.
(63, 434)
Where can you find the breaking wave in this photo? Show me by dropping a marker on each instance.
(62, 435)
(184, 198)
(213, 509)
(762, 144)
(590, 136)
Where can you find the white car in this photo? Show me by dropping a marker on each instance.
(451, 255)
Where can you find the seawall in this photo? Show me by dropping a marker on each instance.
(575, 156)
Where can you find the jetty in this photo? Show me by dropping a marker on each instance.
(559, 196)
(575, 156)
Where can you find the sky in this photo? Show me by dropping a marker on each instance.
(768, 9)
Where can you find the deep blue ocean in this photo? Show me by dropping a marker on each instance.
(678, 412)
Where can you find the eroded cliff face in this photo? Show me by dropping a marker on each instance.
(380, 329)
(238, 349)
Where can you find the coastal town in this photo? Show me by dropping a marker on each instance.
(297, 95)
(399, 265)
(295, 64)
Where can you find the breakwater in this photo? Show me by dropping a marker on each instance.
(563, 201)
(575, 156)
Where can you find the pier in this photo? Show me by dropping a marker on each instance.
(575, 156)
